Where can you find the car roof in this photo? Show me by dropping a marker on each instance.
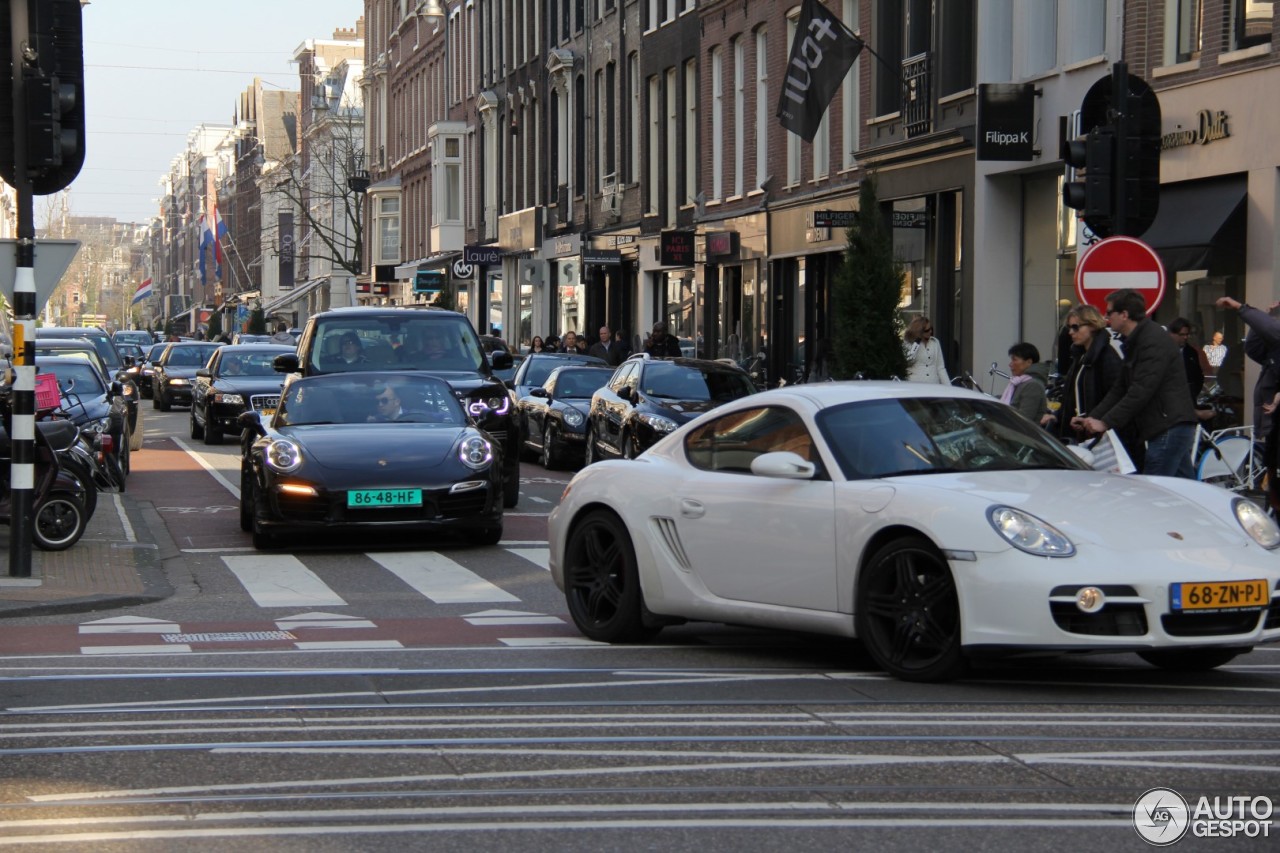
(256, 347)
(699, 363)
(70, 332)
(383, 310)
(825, 394)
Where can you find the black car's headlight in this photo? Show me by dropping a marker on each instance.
(178, 380)
(573, 417)
(1027, 533)
(228, 399)
(658, 422)
(495, 405)
(475, 452)
(283, 456)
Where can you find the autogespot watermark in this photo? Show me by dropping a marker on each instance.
(1162, 817)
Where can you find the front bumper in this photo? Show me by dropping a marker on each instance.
(476, 509)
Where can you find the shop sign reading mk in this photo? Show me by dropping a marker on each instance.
(1210, 125)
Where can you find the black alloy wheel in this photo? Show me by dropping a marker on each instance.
(511, 483)
(59, 522)
(212, 435)
(602, 581)
(162, 401)
(628, 447)
(1190, 660)
(908, 612)
(246, 499)
(550, 457)
(197, 431)
(589, 454)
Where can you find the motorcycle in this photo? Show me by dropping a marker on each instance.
(59, 498)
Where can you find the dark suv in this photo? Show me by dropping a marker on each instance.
(443, 343)
(646, 398)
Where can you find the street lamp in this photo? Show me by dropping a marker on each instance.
(430, 9)
(358, 182)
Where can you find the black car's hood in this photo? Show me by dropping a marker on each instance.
(399, 448)
(467, 382)
(246, 385)
(181, 372)
(682, 410)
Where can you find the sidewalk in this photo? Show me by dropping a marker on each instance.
(117, 563)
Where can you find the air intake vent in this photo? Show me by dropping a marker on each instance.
(666, 529)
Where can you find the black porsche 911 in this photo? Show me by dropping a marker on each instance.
(381, 451)
(238, 378)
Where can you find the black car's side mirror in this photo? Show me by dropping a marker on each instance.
(539, 392)
(203, 371)
(500, 360)
(633, 396)
(286, 363)
(117, 388)
(252, 422)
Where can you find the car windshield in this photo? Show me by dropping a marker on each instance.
(82, 379)
(540, 369)
(189, 356)
(686, 382)
(580, 383)
(415, 340)
(370, 398)
(246, 364)
(921, 435)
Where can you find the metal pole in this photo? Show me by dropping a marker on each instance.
(1120, 162)
(22, 428)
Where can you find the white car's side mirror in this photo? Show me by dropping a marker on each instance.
(783, 464)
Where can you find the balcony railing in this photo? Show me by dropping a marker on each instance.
(917, 104)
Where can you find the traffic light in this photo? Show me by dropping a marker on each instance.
(1094, 195)
(51, 118)
(1138, 161)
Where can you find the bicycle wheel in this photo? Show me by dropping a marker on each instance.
(1228, 463)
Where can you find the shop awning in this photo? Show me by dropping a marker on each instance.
(406, 271)
(1200, 226)
(289, 297)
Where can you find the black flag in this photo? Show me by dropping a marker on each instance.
(821, 55)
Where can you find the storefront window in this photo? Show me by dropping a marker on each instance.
(910, 233)
(572, 294)
(495, 305)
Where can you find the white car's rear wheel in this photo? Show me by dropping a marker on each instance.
(602, 583)
(908, 613)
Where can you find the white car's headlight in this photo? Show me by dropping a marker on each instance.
(1256, 523)
(1028, 533)
(658, 422)
(573, 417)
(229, 399)
(475, 453)
(177, 380)
(284, 456)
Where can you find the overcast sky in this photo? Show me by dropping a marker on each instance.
(155, 69)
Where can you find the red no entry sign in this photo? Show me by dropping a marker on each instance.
(1118, 262)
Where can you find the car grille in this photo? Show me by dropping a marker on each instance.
(332, 508)
(1115, 619)
(1210, 624)
(258, 402)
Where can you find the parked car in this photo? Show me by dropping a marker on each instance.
(555, 415)
(238, 378)
(128, 393)
(933, 523)
(143, 372)
(442, 343)
(534, 371)
(140, 337)
(646, 398)
(383, 451)
(174, 372)
(96, 405)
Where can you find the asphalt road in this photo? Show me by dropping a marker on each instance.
(335, 696)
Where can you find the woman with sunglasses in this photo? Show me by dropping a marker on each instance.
(924, 353)
(1095, 367)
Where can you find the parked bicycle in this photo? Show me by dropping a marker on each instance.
(1229, 457)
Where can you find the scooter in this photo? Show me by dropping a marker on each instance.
(59, 497)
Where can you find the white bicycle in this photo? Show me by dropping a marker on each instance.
(1230, 458)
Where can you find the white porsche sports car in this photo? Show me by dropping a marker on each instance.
(933, 523)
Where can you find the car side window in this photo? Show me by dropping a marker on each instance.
(730, 443)
(620, 379)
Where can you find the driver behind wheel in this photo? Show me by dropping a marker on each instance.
(387, 404)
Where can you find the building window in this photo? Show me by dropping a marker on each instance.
(762, 106)
(793, 141)
(956, 66)
(739, 105)
(580, 134)
(611, 118)
(821, 147)
(888, 74)
(690, 130)
(655, 142)
(1250, 23)
(1086, 26)
(633, 95)
(717, 124)
(388, 229)
(1186, 33)
(672, 136)
(1038, 34)
(448, 180)
(849, 125)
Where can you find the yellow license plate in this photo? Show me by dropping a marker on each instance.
(1232, 595)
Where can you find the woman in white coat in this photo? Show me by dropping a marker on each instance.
(924, 353)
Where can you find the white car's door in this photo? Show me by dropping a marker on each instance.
(753, 538)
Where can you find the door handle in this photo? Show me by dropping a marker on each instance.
(691, 509)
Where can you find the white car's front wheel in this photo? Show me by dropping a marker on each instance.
(908, 613)
(602, 582)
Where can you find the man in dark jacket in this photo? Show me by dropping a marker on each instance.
(1180, 331)
(606, 348)
(1262, 344)
(1151, 393)
(661, 344)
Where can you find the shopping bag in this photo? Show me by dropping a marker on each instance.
(1109, 454)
